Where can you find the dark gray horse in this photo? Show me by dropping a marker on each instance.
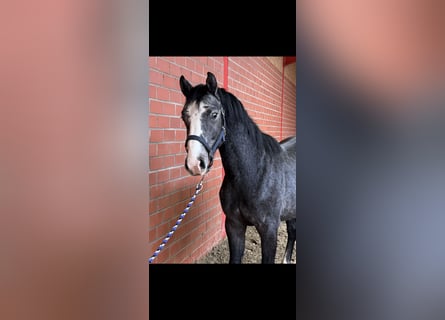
(260, 173)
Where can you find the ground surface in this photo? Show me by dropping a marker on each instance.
(252, 254)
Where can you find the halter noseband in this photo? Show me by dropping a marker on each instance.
(219, 141)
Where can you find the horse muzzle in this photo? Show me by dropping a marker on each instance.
(200, 165)
(196, 166)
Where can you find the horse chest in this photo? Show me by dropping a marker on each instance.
(257, 207)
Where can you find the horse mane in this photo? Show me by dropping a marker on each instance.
(234, 109)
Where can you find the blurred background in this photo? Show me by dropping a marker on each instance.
(73, 150)
(371, 165)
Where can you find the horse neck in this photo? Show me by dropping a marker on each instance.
(246, 147)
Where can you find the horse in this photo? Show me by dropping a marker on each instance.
(259, 185)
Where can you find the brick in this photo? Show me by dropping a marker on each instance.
(171, 213)
(163, 65)
(169, 109)
(152, 150)
(180, 61)
(170, 187)
(178, 109)
(175, 173)
(156, 107)
(179, 160)
(163, 149)
(184, 172)
(211, 63)
(155, 77)
(163, 176)
(169, 161)
(180, 135)
(175, 70)
(182, 196)
(152, 178)
(190, 64)
(156, 219)
(202, 69)
(155, 191)
(153, 121)
(180, 257)
(153, 206)
(175, 123)
(177, 148)
(157, 163)
(197, 78)
(178, 97)
(170, 82)
(169, 135)
(151, 92)
(202, 60)
(158, 121)
(162, 93)
(152, 237)
(165, 202)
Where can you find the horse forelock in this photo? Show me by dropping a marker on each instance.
(197, 93)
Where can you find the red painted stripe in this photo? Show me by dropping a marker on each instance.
(226, 73)
(282, 99)
(289, 60)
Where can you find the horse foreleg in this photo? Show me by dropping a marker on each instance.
(268, 235)
(236, 235)
(291, 237)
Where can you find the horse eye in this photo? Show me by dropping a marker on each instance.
(214, 115)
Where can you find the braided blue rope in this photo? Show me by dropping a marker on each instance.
(178, 222)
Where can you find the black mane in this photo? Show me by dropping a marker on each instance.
(235, 111)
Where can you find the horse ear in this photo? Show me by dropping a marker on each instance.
(212, 85)
(185, 86)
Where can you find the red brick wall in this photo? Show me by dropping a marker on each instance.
(289, 115)
(257, 83)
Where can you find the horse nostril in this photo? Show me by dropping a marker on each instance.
(202, 163)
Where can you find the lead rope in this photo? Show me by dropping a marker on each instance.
(178, 222)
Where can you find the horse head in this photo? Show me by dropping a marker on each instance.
(203, 116)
